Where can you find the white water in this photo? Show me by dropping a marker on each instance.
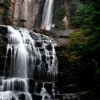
(8, 95)
(47, 15)
(30, 56)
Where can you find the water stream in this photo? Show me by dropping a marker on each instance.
(30, 66)
(47, 15)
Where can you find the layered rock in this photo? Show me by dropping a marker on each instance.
(3, 44)
(21, 13)
(25, 12)
(64, 11)
(28, 13)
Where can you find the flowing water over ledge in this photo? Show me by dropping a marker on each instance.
(47, 15)
(31, 66)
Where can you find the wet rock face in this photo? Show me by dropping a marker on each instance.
(3, 31)
(25, 12)
(64, 10)
(1, 10)
(3, 43)
(21, 13)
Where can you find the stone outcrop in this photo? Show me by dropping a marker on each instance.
(3, 44)
(21, 13)
(63, 12)
(28, 13)
(25, 12)
(60, 36)
(1, 11)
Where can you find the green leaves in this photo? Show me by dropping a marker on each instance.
(7, 3)
(86, 15)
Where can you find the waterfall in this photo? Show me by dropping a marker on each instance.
(47, 15)
(30, 66)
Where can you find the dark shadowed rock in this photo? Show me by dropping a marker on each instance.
(49, 47)
(38, 44)
(22, 96)
(36, 97)
(60, 36)
(59, 97)
(3, 30)
(48, 87)
(31, 85)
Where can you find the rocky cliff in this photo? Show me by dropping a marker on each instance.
(63, 12)
(21, 13)
(28, 13)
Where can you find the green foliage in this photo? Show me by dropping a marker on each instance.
(84, 46)
(7, 3)
(83, 51)
(83, 55)
(84, 15)
(5, 16)
(87, 16)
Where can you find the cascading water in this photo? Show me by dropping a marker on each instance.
(30, 66)
(47, 15)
